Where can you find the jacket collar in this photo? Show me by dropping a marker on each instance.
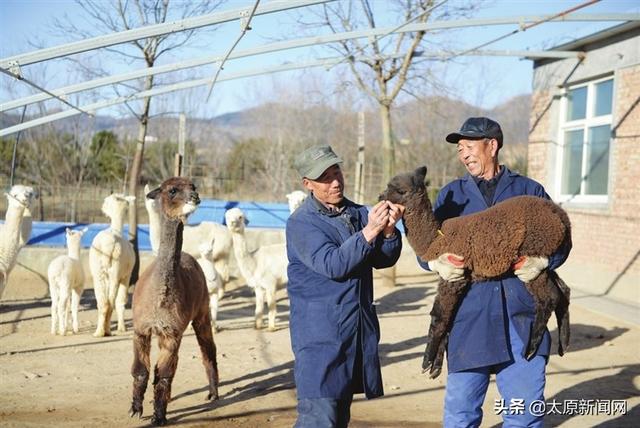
(504, 182)
(322, 209)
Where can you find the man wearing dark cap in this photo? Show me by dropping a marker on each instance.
(332, 246)
(492, 324)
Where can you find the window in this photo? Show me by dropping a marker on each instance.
(585, 134)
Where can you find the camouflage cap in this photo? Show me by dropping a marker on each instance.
(315, 160)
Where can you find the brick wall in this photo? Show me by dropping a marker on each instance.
(605, 239)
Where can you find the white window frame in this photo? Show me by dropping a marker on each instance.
(588, 122)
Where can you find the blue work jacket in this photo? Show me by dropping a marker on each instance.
(478, 337)
(333, 321)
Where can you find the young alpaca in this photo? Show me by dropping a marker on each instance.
(66, 281)
(295, 199)
(11, 232)
(111, 260)
(264, 270)
(193, 237)
(170, 293)
(214, 281)
(490, 241)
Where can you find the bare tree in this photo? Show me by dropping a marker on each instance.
(121, 15)
(382, 66)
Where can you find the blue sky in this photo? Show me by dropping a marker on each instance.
(484, 81)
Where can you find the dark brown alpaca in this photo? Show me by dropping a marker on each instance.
(490, 241)
(170, 293)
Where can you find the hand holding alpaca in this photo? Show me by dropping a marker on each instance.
(449, 266)
(528, 268)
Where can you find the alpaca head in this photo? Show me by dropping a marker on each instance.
(74, 237)
(116, 204)
(404, 187)
(178, 198)
(235, 220)
(20, 196)
(152, 205)
(295, 198)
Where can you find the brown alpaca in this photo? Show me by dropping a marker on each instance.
(170, 293)
(490, 241)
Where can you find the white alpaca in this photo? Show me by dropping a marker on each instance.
(214, 281)
(295, 199)
(66, 282)
(111, 260)
(193, 237)
(11, 240)
(264, 270)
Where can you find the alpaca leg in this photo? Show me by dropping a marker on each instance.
(53, 292)
(271, 306)
(75, 304)
(121, 302)
(63, 311)
(444, 307)
(439, 358)
(259, 306)
(546, 296)
(163, 377)
(99, 288)
(140, 371)
(106, 318)
(208, 349)
(562, 313)
(213, 306)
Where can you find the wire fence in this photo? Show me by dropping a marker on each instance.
(82, 204)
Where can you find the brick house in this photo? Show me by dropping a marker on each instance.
(584, 147)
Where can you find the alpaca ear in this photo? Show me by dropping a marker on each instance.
(154, 193)
(130, 199)
(420, 175)
(67, 230)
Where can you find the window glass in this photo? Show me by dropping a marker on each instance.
(572, 162)
(604, 96)
(577, 104)
(598, 160)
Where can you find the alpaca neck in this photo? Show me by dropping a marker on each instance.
(74, 252)
(117, 221)
(12, 223)
(421, 225)
(245, 260)
(170, 247)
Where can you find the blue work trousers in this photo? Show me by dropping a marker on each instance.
(323, 413)
(520, 382)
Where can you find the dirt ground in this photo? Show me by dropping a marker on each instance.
(82, 381)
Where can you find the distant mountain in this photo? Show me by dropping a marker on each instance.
(429, 119)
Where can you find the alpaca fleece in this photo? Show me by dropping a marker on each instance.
(490, 241)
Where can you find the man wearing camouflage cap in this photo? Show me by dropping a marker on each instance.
(332, 246)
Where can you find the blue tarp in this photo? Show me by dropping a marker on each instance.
(259, 215)
(263, 215)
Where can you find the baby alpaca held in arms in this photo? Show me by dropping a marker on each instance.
(490, 242)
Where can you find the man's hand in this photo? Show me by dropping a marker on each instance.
(377, 220)
(528, 268)
(449, 266)
(396, 211)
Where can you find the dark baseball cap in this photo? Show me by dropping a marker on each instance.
(315, 160)
(475, 128)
